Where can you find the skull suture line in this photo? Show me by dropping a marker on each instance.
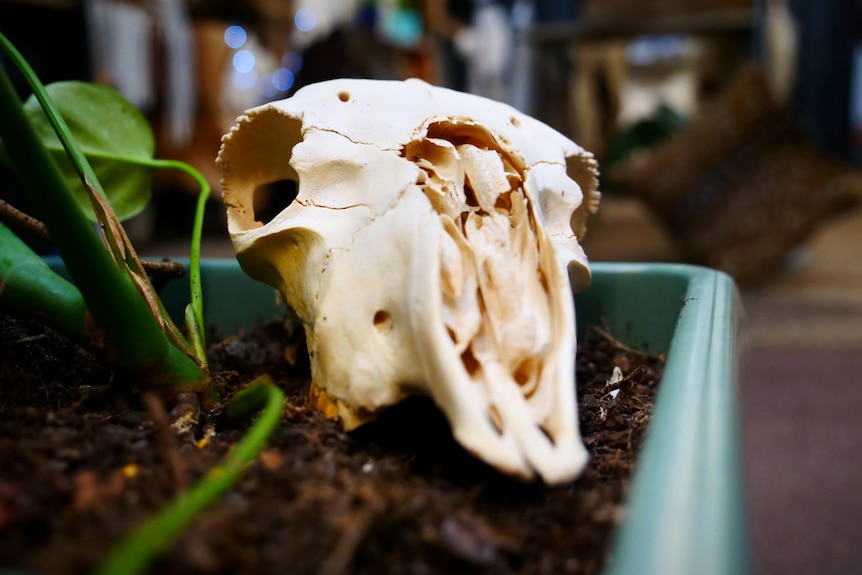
(432, 248)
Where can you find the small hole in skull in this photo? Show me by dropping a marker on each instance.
(471, 364)
(383, 321)
(514, 121)
(272, 198)
(344, 96)
(525, 372)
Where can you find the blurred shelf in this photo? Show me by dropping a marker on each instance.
(706, 23)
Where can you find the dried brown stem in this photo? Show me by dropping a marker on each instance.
(356, 526)
(164, 269)
(167, 441)
(617, 344)
(20, 220)
(36, 229)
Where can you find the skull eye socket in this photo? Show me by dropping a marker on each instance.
(255, 160)
(271, 199)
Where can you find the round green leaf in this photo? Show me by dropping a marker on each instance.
(111, 132)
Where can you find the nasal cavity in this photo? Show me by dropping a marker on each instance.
(271, 199)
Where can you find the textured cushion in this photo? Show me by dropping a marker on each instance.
(739, 187)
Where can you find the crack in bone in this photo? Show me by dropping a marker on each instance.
(310, 127)
(339, 208)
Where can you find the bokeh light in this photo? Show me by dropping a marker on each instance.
(235, 36)
(244, 61)
(282, 79)
(305, 20)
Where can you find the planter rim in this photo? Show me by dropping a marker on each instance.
(686, 508)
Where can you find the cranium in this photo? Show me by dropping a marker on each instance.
(432, 249)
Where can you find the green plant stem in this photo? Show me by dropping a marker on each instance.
(247, 401)
(137, 549)
(110, 292)
(195, 329)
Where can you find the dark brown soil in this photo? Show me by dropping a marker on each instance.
(80, 464)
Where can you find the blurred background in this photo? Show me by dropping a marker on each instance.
(729, 134)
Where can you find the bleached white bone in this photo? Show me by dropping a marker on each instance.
(432, 248)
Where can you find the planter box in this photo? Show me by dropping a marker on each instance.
(685, 513)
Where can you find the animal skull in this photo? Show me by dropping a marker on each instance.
(432, 249)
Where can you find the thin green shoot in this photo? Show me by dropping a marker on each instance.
(137, 549)
(195, 328)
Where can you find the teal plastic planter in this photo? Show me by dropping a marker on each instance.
(685, 514)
